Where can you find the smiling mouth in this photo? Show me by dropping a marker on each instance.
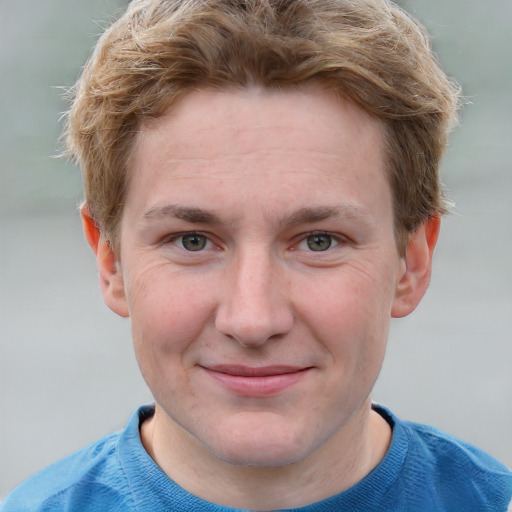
(256, 382)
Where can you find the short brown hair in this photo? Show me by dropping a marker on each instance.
(369, 51)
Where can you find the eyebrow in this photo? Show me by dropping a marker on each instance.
(189, 214)
(305, 215)
(309, 215)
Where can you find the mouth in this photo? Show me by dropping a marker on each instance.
(256, 381)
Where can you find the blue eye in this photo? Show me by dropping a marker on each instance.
(319, 242)
(194, 242)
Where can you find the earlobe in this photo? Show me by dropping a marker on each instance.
(414, 282)
(110, 274)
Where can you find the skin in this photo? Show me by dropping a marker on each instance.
(256, 181)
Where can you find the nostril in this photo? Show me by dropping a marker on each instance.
(254, 329)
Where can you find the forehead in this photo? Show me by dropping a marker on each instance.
(291, 145)
(239, 114)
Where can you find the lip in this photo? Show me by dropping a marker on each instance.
(256, 381)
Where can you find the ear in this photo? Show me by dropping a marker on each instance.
(110, 274)
(418, 267)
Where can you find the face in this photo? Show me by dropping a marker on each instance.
(259, 268)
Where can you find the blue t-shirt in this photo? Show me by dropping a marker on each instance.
(423, 470)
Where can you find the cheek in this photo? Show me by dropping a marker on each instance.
(167, 314)
(349, 311)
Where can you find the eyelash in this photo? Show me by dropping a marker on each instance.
(180, 237)
(179, 240)
(334, 240)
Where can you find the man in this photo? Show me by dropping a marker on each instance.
(262, 196)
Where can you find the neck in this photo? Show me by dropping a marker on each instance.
(338, 464)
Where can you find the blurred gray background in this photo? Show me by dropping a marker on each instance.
(67, 374)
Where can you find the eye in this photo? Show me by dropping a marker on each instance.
(193, 242)
(190, 247)
(319, 242)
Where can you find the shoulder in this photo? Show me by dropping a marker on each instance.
(448, 451)
(452, 472)
(92, 476)
(92, 473)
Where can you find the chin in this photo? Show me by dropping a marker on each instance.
(260, 446)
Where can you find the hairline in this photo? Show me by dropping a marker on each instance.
(310, 85)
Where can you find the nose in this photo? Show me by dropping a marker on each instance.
(255, 306)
